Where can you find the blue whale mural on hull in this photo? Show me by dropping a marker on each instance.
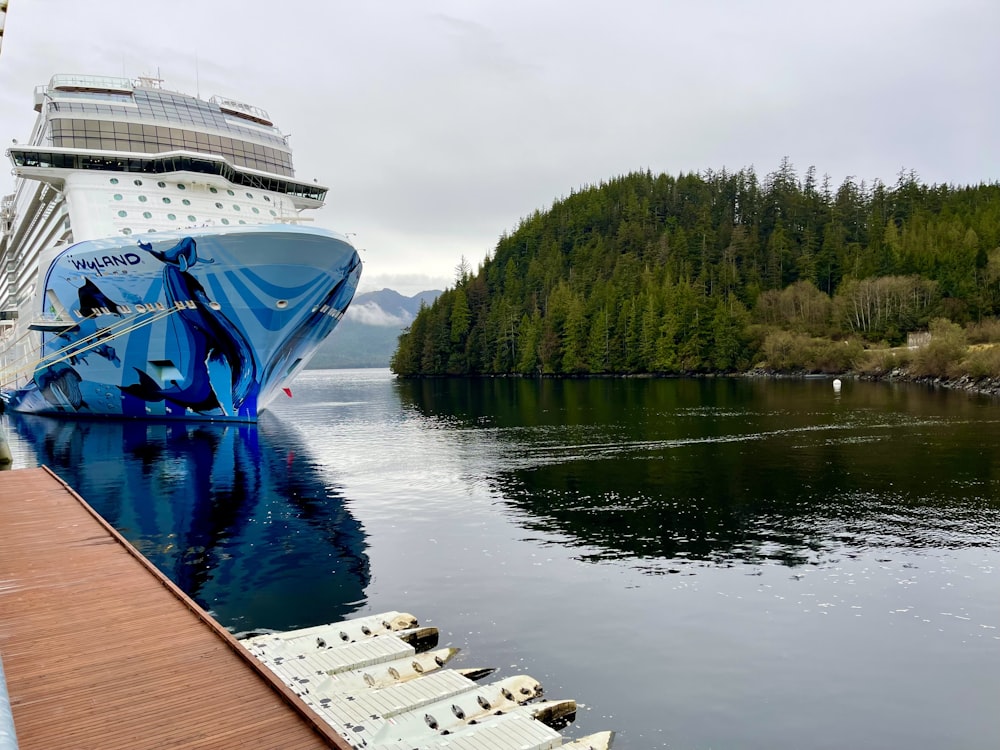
(208, 323)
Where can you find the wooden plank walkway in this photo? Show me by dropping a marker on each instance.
(102, 651)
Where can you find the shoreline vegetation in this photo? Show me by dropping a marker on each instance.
(722, 273)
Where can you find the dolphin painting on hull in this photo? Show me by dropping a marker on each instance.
(206, 342)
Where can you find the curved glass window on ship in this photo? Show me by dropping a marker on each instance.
(24, 157)
(141, 137)
(146, 105)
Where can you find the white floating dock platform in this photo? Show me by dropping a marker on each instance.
(374, 683)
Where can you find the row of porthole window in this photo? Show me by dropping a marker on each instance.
(192, 219)
(172, 217)
(186, 202)
(182, 186)
(143, 199)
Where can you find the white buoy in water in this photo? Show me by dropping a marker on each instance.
(836, 385)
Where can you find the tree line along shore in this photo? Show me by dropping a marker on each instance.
(723, 272)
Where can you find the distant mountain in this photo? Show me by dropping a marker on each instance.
(368, 334)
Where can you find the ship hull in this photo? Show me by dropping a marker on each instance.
(197, 324)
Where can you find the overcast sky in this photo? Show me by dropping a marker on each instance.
(438, 125)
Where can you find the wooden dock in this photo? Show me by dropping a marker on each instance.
(100, 650)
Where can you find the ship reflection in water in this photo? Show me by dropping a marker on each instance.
(236, 515)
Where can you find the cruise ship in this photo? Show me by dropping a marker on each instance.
(155, 257)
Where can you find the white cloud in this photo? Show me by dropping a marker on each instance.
(371, 314)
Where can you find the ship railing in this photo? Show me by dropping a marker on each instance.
(25, 367)
(72, 82)
(242, 109)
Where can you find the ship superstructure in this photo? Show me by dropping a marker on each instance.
(151, 257)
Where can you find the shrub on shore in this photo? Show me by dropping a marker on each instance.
(982, 362)
(883, 361)
(942, 356)
(796, 352)
(986, 331)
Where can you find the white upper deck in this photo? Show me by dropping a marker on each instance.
(117, 124)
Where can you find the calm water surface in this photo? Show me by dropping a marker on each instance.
(701, 564)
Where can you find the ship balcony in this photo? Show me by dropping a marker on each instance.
(52, 323)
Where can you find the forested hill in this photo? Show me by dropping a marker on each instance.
(706, 272)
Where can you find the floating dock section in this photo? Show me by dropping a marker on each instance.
(377, 682)
(100, 649)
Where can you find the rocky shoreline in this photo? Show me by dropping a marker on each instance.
(986, 386)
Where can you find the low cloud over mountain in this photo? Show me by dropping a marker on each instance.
(367, 335)
(370, 314)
